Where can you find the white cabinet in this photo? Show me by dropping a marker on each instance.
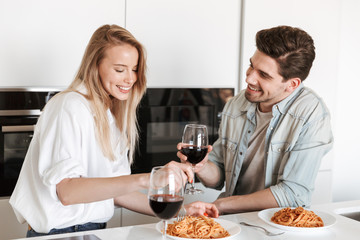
(323, 188)
(42, 42)
(130, 218)
(10, 228)
(189, 43)
(115, 221)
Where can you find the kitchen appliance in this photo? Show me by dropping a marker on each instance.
(20, 109)
(163, 114)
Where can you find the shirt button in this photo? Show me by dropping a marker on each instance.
(279, 150)
(271, 128)
(249, 131)
(240, 153)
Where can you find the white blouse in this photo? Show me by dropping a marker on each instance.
(64, 146)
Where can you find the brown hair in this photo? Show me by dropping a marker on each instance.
(292, 48)
(124, 112)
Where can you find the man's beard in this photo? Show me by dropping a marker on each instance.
(252, 101)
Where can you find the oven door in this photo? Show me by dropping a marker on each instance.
(15, 141)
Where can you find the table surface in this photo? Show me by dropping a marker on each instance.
(344, 228)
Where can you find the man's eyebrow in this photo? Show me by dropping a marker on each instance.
(262, 73)
(265, 75)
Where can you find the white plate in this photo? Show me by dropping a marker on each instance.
(231, 227)
(328, 220)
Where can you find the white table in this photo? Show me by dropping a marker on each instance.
(344, 229)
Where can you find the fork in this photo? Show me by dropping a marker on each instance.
(181, 214)
(267, 232)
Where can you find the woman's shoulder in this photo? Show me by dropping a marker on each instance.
(72, 102)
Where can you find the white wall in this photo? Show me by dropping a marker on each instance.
(346, 179)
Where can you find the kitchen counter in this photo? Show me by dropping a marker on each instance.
(344, 228)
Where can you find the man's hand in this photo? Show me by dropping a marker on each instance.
(202, 208)
(199, 165)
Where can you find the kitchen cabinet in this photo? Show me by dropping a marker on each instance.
(42, 42)
(189, 43)
(10, 228)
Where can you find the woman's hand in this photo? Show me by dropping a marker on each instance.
(202, 208)
(187, 173)
(199, 165)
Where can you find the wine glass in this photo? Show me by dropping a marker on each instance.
(166, 193)
(195, 147)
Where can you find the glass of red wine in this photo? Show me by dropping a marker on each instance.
(166, 193)
(195, 147)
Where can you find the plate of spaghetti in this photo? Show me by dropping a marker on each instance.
(297, 219)
(200, 227)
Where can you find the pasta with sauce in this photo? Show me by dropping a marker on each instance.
(298, 217)
(197, 227)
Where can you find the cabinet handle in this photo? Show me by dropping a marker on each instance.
(18, 128)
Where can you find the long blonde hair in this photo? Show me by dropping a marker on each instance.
(124, 112)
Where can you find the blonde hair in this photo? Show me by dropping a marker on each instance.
(124, 112)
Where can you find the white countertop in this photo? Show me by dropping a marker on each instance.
(344, 228)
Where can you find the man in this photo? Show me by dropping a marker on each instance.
(274, 133)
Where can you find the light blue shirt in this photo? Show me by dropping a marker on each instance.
(298, 136)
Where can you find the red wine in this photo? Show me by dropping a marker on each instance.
(194, 154)
(165, 206)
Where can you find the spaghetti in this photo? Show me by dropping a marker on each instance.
(298, 217)
(197, 227)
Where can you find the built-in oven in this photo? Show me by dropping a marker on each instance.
(20, 109)
(163, 114)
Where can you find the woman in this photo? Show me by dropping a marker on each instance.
(78, 163)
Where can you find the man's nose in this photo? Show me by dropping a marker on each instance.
(250, 77)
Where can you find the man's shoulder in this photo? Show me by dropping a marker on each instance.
(308, 102)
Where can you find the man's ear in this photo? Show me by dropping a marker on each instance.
(293, 84)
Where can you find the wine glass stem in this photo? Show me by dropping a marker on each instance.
(164, 227)
(193, 181)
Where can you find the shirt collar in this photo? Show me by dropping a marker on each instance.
(283, 105)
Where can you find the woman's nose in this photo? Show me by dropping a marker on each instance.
(131, 77)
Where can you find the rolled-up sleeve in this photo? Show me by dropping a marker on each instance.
(61, 152)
